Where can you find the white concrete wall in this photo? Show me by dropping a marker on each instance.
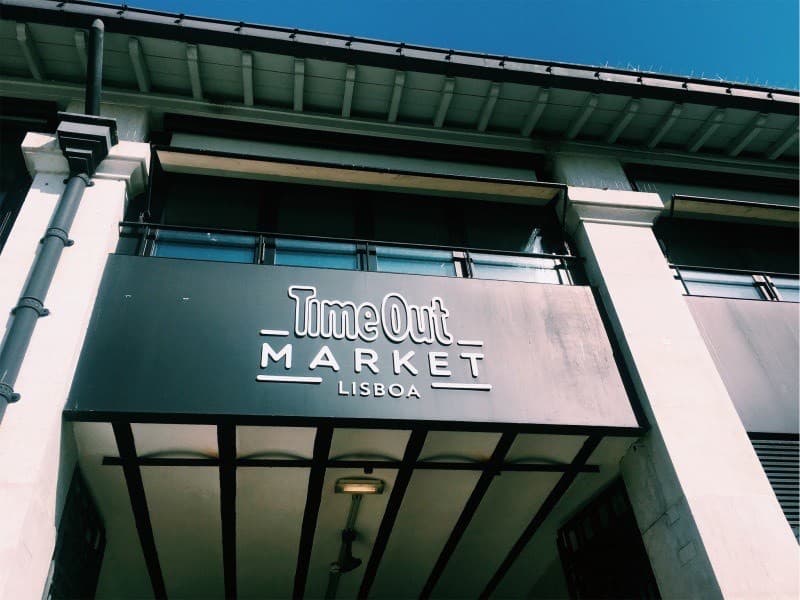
(710, 521)
(37, 452)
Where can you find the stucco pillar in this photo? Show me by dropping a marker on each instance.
(708, 516)
(36, 459)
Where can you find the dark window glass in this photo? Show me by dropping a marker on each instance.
(201, 245)
(788, 288)
(723, 285)
(415, 261)
(306, 253)
(518, 268)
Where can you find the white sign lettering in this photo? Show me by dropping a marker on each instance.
(394, 317)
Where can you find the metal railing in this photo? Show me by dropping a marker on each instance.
(736, 283)
(255, 247)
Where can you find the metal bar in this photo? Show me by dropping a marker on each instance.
(786, 139)
(583, 116)
(247, 78)
(706, 130)
(665, 125)
(29, 52)
(139, 65)
(277, 463)
(94, 68)
(734, 271)
(488, 106)
(322, 446)
(226, 441)
(544, 511)
(624, 120)
(397, 94)
(465, 518)
(349, 88)
(193, 65)
(413, 449)
(748, 134)
(535, 113)
(80, 49)
(133, 480)
(299, 82)
(444, 102)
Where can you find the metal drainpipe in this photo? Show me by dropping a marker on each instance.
(82, 161)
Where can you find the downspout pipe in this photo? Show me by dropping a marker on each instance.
(85, 141)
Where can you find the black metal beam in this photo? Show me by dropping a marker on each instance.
(226, 440)
(413, 449)
(544, 511)
(322, 446)
(72, 414)
(133, 479)
(492, 468)
(277, 463)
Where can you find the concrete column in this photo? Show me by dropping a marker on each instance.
(37, 452)
(708, 516)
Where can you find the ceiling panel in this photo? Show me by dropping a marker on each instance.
(275, 442)
(168, 74)
(166, 439)
(273, 88)
(510, 114)
(52, 34)
(269, 518)
(123, 573)
(432, 504)
(369, 444)
(184, 504)
(535, 559)
(332, 518)
(508, 506)
(219, 55)
(371, 98)
(458, 446)
(547, 449)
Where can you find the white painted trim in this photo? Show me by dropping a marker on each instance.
(127, 161)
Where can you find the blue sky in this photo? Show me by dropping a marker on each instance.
(753, 41)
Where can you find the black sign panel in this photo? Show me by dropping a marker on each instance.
(181, 337)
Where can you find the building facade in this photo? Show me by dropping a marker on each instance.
(340, 317)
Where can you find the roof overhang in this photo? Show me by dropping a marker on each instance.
(720, 209)
(189, 160)
(168, 62)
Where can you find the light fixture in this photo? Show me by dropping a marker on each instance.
(359, 485)
(357, 488)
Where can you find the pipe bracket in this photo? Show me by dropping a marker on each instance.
(86, 179)
(7, 393)
(57, 233)
(31, 303)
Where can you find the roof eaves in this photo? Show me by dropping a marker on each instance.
(352, 50)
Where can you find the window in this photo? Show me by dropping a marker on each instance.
(202, 245)
(787, 288)
(723, 283)
(310, 253)
(518, 268)
(259, 248)
(415, 261)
